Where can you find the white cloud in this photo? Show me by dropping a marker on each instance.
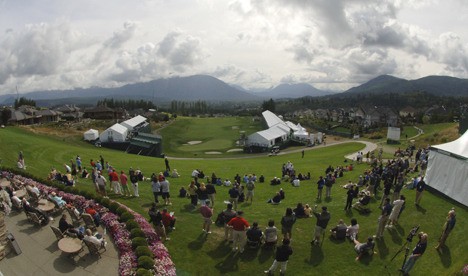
(254, 43)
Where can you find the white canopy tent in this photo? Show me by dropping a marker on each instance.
(267, 138)
(91, 135)
(447, 169)
(130, 124)
(116, 133)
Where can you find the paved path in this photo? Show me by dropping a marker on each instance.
(41, 255)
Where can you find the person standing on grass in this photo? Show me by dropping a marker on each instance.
(124, 183)
(156, 188)
(250, 190)
(420, 187)
(101, 185)
(134, 180)
(228, 214)
(418, 251)
(234, 196)
(281, 258)
(114, 178)
(386, 210)
(322, 222)
(211, 191)
(287, 222)
(448, 227)
(166, 162)
(320, 184)
(239, 226)
(165, 191)
(192, 191)
(207, 214)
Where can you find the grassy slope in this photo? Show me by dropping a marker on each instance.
(195, 255)
(216, 134)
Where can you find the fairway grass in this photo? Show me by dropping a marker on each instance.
(196, 254)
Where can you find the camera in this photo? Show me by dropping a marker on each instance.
(412, 233)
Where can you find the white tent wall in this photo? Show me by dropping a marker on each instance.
(116, 133)
(257, 139)
(449, 175)
(91, 135)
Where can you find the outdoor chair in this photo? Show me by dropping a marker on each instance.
(18, 205)
(75, 218)
(93, 248)
(33, 197)
(34, 218)
(58, 234)
(89, 221)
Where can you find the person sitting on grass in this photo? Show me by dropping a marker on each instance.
(353, 230)
(271, 233)
(299, 211)
(364, 248)
(276, 199)
(168, 220)
(254, 235)
(339, 231)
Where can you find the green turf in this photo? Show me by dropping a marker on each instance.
(193, 254)
(215, 134)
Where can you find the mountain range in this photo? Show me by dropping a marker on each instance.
(207, 88)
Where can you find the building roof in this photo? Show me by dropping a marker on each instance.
(458, 147)
(272, 133)
(271, 118)
(133, 122)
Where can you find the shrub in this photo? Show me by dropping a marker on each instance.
(131, 224)
(82, 193)
(138, 241)
(121, 210)
(145, 262)
(143, 251)
(126, 216)
(136, 232)
(67, 189)
(143, 272)
(113, 207)
(98, 199)
(105, 202)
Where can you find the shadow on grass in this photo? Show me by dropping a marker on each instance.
(198, 243)
(400, 229)
(220, 251)
(382, 248)
(316, 255)
(328, 199)
(445, 256)
(336, 241)
(421, 209)
(187, 208)
(395, 236)
(229, 264)
(249, 254)
(266, 253)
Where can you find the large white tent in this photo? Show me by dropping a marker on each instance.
(447, 169)
(116, 133)
(91, 135)
(267, 138)
(130, 124)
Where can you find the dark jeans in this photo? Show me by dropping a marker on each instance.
(156, 194)
(349, 202)
(194, 200)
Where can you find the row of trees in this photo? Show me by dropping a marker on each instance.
(127, 104)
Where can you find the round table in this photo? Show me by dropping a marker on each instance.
(70, 245)
(20, 193)
(4, 183)
(46, 205)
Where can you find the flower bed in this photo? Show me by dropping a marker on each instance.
(127, 257)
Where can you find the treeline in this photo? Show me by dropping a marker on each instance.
(23, 101)
(127, 104)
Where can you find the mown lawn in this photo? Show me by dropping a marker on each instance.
(194, 254)
(211, 134)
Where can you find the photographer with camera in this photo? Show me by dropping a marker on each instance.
(418, 251)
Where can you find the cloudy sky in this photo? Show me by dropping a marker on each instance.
(330, 44)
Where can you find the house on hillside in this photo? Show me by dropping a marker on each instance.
(47, 116)
(70, 112)
(102, 112)
(407, 111)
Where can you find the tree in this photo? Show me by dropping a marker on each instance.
(23, 101)
(269, 105)
(6, 115)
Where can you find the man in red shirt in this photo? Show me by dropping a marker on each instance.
(206, 213)
(114, 178)
(239, 226)
(168, 220)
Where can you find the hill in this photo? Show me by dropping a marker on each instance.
(435, 85)
(192, 88)
(298, 90)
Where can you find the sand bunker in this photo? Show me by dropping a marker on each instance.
(194, 142)
(235, 150)
(213, 152)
